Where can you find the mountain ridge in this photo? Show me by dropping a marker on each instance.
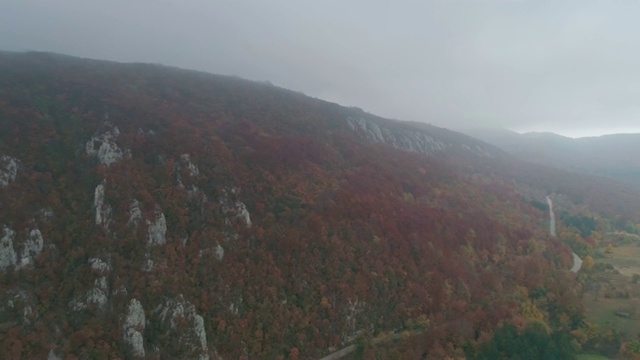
(152, 211)
(610, 155)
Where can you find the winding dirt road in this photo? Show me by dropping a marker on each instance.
(577, 262)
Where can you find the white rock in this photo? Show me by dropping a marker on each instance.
(135, 339)
(148, 264)
(99, 265)
(234, 308)
(192, 171)
(122, 290)
(103, 211)
(238, 208)
(135, 315)
(77, 304)
(101, 283)
(135, 213)
(97, 295)
(104, 147)
(194, 191)
(52, 356)
(26, 314)
(219, 252)
(177, 310)
(133, 327)
(46, 214)
(408, 140)
(243, 213)
(109, 153)
(198, 328)
(186, 161)
(32, 247)
(157, 229)
(8, 255)
(8, 170)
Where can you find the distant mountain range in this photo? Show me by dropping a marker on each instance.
(614, 156)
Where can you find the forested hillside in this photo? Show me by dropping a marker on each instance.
(156, 212)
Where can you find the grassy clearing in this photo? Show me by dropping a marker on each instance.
(611, 289)
(591, 357)
(626, 259)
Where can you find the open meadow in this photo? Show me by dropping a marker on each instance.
(612, 295)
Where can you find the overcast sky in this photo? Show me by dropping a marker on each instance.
(571, 67)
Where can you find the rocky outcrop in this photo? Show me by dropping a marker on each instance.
(135, 212)
(16, 305)
(8, 170)
(99, 266)
(98, 295)
(185, 162)
(232, 205)
(351, 314)
(104, 147)
(219, 251)
(8, 255)
(157, 229)
(52, 356)
(187, 173)
(133, 328)
(32, 248)
(185, 328)
(103, 210)
(408, 140)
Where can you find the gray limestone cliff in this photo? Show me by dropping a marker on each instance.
(8, 170)
(133, 328)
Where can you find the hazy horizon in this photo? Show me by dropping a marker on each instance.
(568, 68)
(582, 133)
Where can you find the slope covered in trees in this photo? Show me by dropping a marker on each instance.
(154, 211)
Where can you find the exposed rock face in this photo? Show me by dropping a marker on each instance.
(135, 212)
(104, 147)
(98, 295)
(32, 248)
(219, 250)
(16, 304)
(8, 255)
(179, 318)
(187, 172)
(350, 314)
(231, 205)
(408, 140)
(45, 214)
(133, 328)
(185, 161)
(243, 213)
(99, 266)
(147, 264)
(157, 229)
(52, 356)
(8, 170)
(103, 211)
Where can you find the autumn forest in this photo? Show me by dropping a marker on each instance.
(154, 212)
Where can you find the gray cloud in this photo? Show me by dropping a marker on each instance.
(564, 66)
